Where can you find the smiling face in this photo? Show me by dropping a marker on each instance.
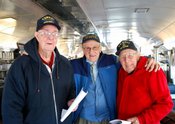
(92, 50)
(47, 38)
(129, 58)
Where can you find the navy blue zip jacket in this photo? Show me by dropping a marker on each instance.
(107, 71)
(28, 96)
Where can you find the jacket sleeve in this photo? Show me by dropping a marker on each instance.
(72, 87)
(160, 94)
(71, 90)
(13, 96)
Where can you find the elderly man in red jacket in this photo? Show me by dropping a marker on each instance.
(143, 97)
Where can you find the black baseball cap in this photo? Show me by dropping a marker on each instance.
(45, 20)
(125, 44)
(90, 37)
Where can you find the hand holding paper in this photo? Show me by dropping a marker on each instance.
(76, 102)
(70, 102)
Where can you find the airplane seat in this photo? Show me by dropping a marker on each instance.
(172, 88)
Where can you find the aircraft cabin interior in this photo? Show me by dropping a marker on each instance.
(150, 24)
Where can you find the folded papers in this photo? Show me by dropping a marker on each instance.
(76, 102)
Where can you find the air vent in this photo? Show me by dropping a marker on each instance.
(141, 10)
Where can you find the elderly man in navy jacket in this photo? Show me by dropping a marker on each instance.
(39, 85)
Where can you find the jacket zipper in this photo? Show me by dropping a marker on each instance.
(54, 99)
(53, 94)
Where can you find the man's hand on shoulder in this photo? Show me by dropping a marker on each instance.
(151, 65)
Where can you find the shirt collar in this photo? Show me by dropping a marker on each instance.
(95, 63)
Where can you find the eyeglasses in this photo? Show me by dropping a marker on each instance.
(48, 34)
(88, 49)
(127, 55)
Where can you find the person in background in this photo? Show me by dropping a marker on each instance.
(96, 72)
(142, 97)
(40, 83)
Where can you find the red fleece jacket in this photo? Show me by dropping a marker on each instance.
(143, 94)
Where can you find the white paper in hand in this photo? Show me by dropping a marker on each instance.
(118, 121)
(76, 102)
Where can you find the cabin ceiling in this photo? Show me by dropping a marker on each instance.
(143, 21)
(153, 20)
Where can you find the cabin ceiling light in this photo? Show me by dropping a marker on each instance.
(141, 10)
(7, 25)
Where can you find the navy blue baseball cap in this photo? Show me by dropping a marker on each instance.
(45, 20)
(90, 37)
(125, 44)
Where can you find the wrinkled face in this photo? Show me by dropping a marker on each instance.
(129, 58)
(92, 50)
(47, 37)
